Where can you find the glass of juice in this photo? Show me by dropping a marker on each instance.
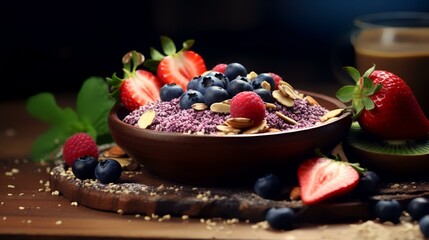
(397, 42)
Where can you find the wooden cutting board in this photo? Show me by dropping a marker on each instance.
(139, 192)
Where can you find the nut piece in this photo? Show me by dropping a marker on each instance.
(227, 129)
(295, 193)
(252, 75)
(331, 114)
(286, 118)
(114, 151)
(146, 119)
(260, 128)
(270, 105)
(282, 99)
(239, 122)
(199, 106)
(311, 101)
(266, 85)
(220, 107)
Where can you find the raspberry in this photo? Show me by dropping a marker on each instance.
(277, 78)
(79, 145)
(220, 67)
(248, 104)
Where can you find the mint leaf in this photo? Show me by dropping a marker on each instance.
(46, 146)
(93, 105)
(43, 106)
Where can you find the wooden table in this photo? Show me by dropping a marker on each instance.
(30, 210)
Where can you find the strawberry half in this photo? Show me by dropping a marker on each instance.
(321, 178)
(138, 87)
(384, 105)
(176, 67)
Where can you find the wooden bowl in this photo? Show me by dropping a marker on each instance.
(204, 160)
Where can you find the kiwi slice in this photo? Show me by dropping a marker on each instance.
(396, 159)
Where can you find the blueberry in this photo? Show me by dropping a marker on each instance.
(108, 171)
(265, 95)
(280, 218)
(388, 210)
(268, 186)
(256, 83)
(234, 70)
(237, 86)
(424, 225)
(192, 84)
(170, 91)
(418, 207)
(207, 81)
(84, 167)
(222, 77)
(190, 97)
(215, 94)
(368, 185)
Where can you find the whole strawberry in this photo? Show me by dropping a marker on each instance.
(385, 106)
(138, 87)
(321, 178)
(79, 145)
(176, 67)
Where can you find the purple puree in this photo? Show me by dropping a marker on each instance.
(170, 118)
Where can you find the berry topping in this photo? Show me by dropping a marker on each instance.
(388, 210)
(248, 104)
(176, 67)
(215, 94)
(221, 67)
(170, 91)
(265, 95)
(108, 171)
(280, 218)
(276, 78)
(190, 97)
(256, 82)
(233, 70)
(207, 81)
(268, 186)
(84, 167)
(424, 226)
(79, 145)
(138, 87)
(368, 184)
(238, 85)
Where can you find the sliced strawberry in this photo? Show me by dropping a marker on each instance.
(138, 87)
(321, 178)
(176, 67)
(181, 67)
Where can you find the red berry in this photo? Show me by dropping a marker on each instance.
(248, 104)
(79, 145)
(220, 67)
(277, 78)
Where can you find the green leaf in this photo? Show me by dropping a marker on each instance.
(43, 107)
(93, 105)
(168, 45)
(367, 83)
(346, 93)
(46, 146)
(155, 54)
(353, 72)
(368, 103)
(358, 106)
(188, 44)
(369, 71)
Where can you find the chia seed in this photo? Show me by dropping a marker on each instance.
(170, 118)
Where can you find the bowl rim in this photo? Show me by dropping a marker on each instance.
(114, 117)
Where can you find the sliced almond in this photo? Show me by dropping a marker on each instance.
(270, 105)
(311, 101)
(146, 119)
(199, 106)
(331, 114)
(283, 100)
(227, 129)
(252, 75)
(272, 130)
(239, 123)
(266, 85)
(114, 151)
(220, 107)
(260, 128)
(228, 101)
(286, 118)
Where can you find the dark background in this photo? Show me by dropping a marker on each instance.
(55, 46)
